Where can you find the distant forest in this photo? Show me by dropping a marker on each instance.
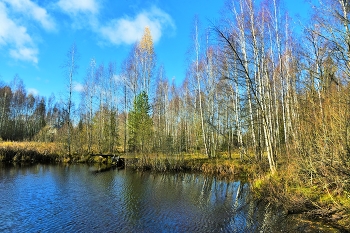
(254, 86)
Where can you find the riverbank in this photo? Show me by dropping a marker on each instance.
(221, 167)
(36, 152)
(293, 192)
(29, 152)
(286, 189)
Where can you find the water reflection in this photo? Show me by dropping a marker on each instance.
(46, 198)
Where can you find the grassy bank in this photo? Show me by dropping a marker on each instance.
(35, 152)
(222, 167)
(310, 199)
(28, 152)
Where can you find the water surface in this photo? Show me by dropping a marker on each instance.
(74, 198)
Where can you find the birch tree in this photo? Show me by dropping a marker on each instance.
(241, 17)
(112, 103)
(245, 46)
(70, 67)
(88, 96)
(146, 58)
(197, 73)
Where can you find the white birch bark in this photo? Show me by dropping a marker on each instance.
(240, 18)
(197, 51)
(280, 62)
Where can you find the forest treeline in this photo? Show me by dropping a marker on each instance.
(255, 85)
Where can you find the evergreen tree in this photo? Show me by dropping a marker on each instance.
(140, 124)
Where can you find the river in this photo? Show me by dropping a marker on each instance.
(76, 198)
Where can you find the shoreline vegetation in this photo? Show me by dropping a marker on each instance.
(282, 189)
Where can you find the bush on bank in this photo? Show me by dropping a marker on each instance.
(286, 189)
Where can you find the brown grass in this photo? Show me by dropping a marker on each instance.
(35, 152)
(289, 189)
(40, 147)
(223, 166)
(28, 152)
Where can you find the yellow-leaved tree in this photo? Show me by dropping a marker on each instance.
(146, 58)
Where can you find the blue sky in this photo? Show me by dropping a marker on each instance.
(35, 35)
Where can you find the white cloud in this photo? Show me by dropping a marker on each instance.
(34, 11)
(83, 13)
(79, 6)
(16, 38)
(78, 87)
(25, 54)
(130, 30)
(33, 91)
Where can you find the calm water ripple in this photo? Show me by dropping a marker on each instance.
(48, 198)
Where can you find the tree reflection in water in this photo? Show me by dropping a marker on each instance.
(75, 199)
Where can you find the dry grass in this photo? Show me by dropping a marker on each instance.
(289, 189)
(35, 152)
(223, 166)
(28, 152)
(40, 147)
